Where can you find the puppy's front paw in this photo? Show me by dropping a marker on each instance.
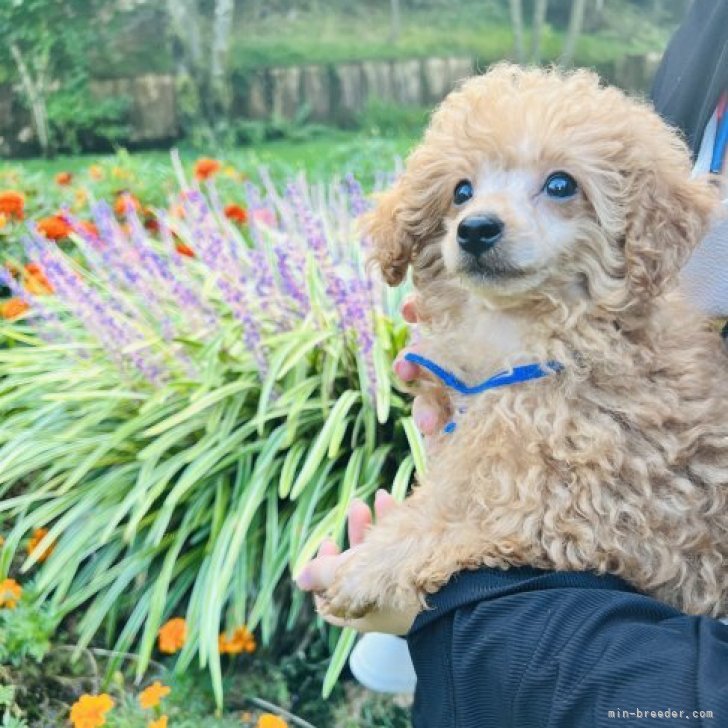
(349, 596)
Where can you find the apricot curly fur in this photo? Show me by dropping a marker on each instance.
(618, 464)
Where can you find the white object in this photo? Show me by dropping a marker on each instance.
(381, 662)
(705, 277)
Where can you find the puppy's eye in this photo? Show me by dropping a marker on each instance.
(463, 192)
(560, 185)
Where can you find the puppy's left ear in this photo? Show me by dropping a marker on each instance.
(670, 212)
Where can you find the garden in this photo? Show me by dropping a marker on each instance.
(195, 359)
(191, 395)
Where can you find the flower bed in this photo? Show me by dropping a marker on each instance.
(190, 398)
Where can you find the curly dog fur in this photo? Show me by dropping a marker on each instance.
(617, 464)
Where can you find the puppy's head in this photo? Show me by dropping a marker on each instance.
(533, 183)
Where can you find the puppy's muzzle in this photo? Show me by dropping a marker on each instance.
(479, 233)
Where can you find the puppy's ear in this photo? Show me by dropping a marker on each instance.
(392, 243)
(669, 213)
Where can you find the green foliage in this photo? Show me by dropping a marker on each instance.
(25, 632)
(200, 494)
(385, 119)
(79, 120)
(47, 43)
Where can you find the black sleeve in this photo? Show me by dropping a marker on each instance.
(570, 658)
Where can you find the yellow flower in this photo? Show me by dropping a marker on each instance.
(38, 535)
(80, 198)
(172, 635)
(268, 720)
(3, 220)
(161, 722)
(150, 696)
(89, 711)
(10, 592)
(96, 171)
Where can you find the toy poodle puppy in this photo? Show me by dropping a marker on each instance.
(545, 219)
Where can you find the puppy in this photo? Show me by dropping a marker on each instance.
(545, 219)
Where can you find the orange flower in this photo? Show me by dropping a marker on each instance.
(241, 641)
(124, 200)
(10, 592)
(183, 249)
(150, 696)
(172, 635)
(206, 168)
(64, 178)
(89, 229)
(55, 227)
(89, 711)
(268, 720)
(38, 535)
(12, 204)
(161, 722)
(12, 308)
(36, 281)
(96, 171)
(177, 210)
(236, 213)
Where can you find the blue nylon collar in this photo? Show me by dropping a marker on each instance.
(517, 375)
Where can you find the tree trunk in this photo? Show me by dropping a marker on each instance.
(539, 20)
(519, 49)
(190, 76)
(34, 90)
(395, 21)
(576, 22)
(219, 77)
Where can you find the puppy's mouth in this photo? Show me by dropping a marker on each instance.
(490, 266)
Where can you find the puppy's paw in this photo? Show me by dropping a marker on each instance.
(348, 597)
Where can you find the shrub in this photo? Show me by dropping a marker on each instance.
(188, 429)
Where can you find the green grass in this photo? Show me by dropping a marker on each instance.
(334, 153)
(326, 32)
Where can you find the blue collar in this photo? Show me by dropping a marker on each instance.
(516, 375)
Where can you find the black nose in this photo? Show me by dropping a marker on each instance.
(479, 233)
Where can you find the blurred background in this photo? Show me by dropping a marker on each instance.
(93, 76)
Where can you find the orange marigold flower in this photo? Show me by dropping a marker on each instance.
(269, 720)
(12, 308)
(172, 635)
(10, 592)
(242, 640)
(206, 168)
(183, 249)
(124, 200)
(96, 171)
(89, 711)
(89, 228)
(161, 722)
(236, 213)
(38, 535)
(36, 281)
(64, 178)
(150, 696)
(55, 227)
(12, 204)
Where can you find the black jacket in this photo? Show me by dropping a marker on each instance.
(526, 648)
(694, 70)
